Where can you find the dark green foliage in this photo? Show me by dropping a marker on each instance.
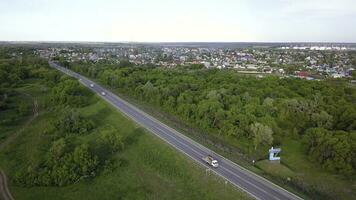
(63, 162)
(62, 166)
(112, 138)
(17, 65)
(23, 108)
(4, 98)
(86, 162)
(69, 92)
(261, 134)
(72, 122)
(334, 150)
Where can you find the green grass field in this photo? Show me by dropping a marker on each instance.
(146, 169)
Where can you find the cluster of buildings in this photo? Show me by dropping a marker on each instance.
(302, 62)
(319, 48)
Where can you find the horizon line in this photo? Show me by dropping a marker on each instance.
(172, 42)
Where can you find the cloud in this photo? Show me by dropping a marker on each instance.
(320, 7)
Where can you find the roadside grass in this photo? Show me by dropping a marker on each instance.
(275, 168)
(147, 168)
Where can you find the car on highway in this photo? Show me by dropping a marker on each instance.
(91, 85)
(103, 93)
(211, 161)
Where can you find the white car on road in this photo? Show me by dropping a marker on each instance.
(211, 161)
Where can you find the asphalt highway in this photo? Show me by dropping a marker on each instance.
(256, 186)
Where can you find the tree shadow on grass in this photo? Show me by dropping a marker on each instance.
(100, 116)
(133, 137)
(104, 152)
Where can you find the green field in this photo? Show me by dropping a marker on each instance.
(146, 169)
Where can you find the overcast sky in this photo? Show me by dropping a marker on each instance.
(179, 20)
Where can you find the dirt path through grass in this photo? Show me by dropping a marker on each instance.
(4, 190)
(17, 133)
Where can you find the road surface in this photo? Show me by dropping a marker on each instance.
(251, 183)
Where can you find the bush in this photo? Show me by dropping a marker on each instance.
(72, 121)
(334, 150)
(69, 92)
(61, 167)
(113, 139)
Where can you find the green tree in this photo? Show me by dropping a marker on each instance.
(71, 121)
(334, 150)
(69, 92)
(58, 149)
(85, 161)
(261, 134)
(112, 138)
(322, 119)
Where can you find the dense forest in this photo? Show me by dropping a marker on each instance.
(261, 111)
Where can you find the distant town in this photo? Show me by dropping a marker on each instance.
(309, 62)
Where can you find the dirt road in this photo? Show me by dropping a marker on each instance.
(4, 190)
